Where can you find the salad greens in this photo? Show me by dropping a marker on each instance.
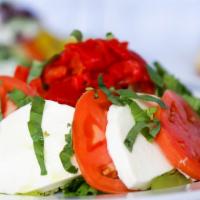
(77, 34)
(78, 187)
(163, 80)
(34, 126)
(145, 123)
(172, 178)
(109, 36)
(35, 70)
(19, 98)
(67, 153)
(194, 102)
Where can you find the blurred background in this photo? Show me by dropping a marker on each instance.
(167, 31)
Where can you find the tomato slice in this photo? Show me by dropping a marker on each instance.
(7, 84)
(90, 146)
(179, 137)
(2, 99)
(10, 83)
(22, 73)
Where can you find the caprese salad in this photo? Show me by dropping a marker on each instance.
(95, 119)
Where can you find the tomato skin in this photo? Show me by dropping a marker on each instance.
(36, 84)
(179, 137)
(2, 99)
(21, 73)
(10, 83)
(89, 124)
(7, 85)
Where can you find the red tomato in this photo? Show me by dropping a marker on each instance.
(10, 83)
(7, 85)
(21, 73)
(36, 84)
(90, 145)
(2, 99)
(179, 137)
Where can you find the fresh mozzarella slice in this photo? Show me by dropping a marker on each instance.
(19, 169)
(136, 169)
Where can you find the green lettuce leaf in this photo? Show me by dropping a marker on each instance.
(170, 179)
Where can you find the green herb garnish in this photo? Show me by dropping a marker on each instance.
(78, 187)
(132, 135)
(19, 98)
(145, 121)
(194, 102)
(34, 126)
(109, 92)
(155, 77)
(66, 155)
(127, 94)
(170, 179)
(77, 34)
(36, 70)
(109, 36)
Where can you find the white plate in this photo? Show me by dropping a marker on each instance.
(168, 31)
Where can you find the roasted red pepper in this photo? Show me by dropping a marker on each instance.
(79, 65)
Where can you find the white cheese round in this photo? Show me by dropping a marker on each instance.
(19, 168)
(136, 169)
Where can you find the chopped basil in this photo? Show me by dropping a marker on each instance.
(19, 98)
(34, 126)
(66, 155)
(151, 111)
(109, 35)
(78, 187)
(139, 114)
(145, 122)
(109, 93)
(132, 134)
(170, 179)
(36, 70)
(129, 94)
(77, 34)
(124, 96)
